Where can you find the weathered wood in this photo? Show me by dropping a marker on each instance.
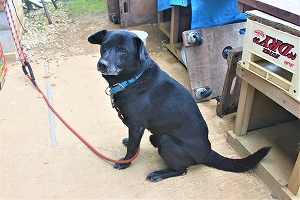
(174, 25)
(113, 9)
(244, 109)
(274, 158)
(205, 64)
(265, 112)
(134, 12)
(172, 22)
(232, 85)
(245, 5)
(273, 92)
(294, 184)
(284, 139)
(262, 104)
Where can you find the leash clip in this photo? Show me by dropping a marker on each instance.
(112, 100)
(107, 92)
(111, 95)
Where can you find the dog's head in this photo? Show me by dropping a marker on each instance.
(121, 52)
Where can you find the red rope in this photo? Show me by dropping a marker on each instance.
(81, 138)
(23, 59)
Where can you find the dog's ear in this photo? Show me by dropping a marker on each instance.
(98, 37)
(142, 49)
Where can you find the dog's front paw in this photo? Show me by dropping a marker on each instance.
(125, 141)
(121, 166)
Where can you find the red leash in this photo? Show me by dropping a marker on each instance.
(30, 76)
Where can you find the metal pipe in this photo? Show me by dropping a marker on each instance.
(51, 114)
(46, 11)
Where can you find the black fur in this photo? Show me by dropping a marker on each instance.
(160, 104)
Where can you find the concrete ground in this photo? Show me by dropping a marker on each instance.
(35, 167)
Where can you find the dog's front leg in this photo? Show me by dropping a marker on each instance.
(133, 143)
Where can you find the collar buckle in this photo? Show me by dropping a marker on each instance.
(118, 87)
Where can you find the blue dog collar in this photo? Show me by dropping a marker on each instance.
(121, 86)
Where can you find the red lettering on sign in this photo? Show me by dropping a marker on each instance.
(265, 42)
(274, 44)
(259, 33)
(288, 63)
(285, 48)
(274, 47)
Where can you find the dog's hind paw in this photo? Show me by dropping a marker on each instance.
(154, 177)
(162, 174)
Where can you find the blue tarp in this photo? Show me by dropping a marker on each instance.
(166, 4)
(208, 13)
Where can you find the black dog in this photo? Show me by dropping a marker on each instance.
(148, 98)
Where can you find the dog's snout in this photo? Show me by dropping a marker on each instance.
(102, 64)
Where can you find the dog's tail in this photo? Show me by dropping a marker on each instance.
(213, 159)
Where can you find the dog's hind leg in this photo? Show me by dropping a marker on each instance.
(174, 155)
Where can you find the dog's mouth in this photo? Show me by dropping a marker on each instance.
(109, 73)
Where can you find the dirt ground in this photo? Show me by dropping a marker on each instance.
(35, 167)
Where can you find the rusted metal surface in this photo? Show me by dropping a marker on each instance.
(136, 12)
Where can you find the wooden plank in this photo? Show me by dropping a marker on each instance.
(276, 169)
(280, 13)
(232, 85)
(205, 64)
(294, 180)
(273, 92)
(167, 17)
(264, 175)
(284, 139)
(174, 25)
(291, 6)
(265, 112)
(176, 50)
(165, 27)
(274, 22)
(244, 109)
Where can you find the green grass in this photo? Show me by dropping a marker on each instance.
(77, 6)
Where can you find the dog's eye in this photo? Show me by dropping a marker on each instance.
(104, 46)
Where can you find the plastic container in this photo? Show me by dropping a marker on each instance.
(142, 34)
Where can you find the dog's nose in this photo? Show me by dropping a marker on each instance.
(102, 64)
